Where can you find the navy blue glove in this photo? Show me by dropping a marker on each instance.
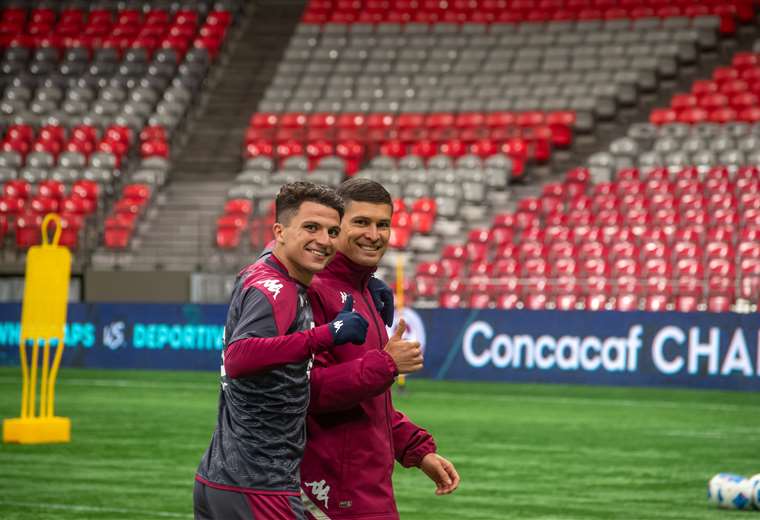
(383, 298)
(349, 326)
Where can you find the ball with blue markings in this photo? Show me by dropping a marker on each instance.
(714, 486)
(730, 491)
(755, 482)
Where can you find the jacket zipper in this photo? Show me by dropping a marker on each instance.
(388, 422)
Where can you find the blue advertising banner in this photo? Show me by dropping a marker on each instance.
(612, 348)
(149, 336)
(702, 350)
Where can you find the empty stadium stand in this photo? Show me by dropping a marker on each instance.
(178, 234)
(566, 154)
(666, 219)
(94, 96)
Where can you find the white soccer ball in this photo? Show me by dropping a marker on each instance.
(730, 491)
(714, 486)
(755, 482)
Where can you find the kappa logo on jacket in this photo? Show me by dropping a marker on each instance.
(320, 490)
(272, 285)
(343, 296)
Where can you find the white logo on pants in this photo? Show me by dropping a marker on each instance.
(320, 490)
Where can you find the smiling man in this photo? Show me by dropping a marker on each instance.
(251, 468)
(353, 432)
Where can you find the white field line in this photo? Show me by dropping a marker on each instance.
(93, 509)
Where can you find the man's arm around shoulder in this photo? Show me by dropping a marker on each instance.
(341, 386)
(257, 344)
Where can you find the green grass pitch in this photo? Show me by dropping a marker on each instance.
(524, 451)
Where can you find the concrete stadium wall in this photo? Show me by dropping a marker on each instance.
(136, 286)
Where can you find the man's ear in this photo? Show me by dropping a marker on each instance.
(279, 232)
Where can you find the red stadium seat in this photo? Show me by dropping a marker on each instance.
(70, 228)
(505, 267)
(748, 249)
(240, 207)
(595, 301)
(718, 303)
(627, 302)
(425, 205)
(10, 207)
(137, 193)
(228, 234)
(43, 205)
(566, 302)
(479, 300)
(476, 252)
(352, 151)
(17, 189)
(28, 230)
(399, 238)
(426, 286)
(86, 190)
(718, 249)
(687, 303)
(449, 300)
(422, 222)
(656, 267)
(688, 267)
(722, 285)
(51, 189)
(535, 301)
(393, 148)
(656, 302)
(261, 231)
(76, 205)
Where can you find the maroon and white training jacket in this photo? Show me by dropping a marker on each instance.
(354, 434)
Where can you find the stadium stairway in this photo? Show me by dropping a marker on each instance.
(178, 232)
(176, 239)
(213, 145)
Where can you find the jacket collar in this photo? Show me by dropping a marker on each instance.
(269, 258)
(345, 269)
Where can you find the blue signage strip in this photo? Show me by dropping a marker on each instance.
(613, 348)
(150, 336)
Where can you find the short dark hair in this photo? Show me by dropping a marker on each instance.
(364, 190)
(293, 194)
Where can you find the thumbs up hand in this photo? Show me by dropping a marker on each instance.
(406, 354)
(399, 332)
(349, 326)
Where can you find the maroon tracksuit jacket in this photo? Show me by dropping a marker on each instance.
(353, 432)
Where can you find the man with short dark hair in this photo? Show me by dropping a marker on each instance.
(251, 468)
(353, 432)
